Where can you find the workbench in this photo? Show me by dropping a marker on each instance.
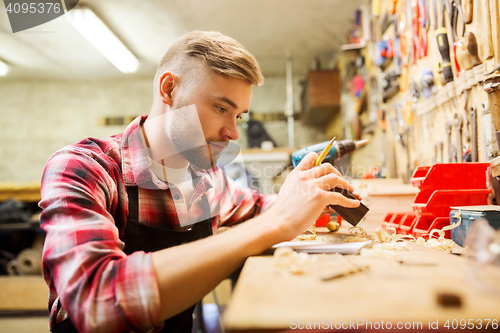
(406, 293)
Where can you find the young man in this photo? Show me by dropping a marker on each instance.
(128, 217)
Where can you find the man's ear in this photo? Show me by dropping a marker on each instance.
(168, 81)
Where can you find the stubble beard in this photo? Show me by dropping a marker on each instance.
(202, 156)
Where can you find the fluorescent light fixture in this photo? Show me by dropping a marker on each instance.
(4, 69)
(98, 34)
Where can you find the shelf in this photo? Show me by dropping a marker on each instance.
(33, 225)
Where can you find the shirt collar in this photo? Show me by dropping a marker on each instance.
(135, 167)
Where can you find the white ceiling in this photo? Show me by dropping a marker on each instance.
(267, 28)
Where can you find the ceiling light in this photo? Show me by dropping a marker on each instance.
(4, 69)
(98, 34)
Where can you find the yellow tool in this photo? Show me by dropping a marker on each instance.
(325, 152)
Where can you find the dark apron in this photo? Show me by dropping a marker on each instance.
(140, 237)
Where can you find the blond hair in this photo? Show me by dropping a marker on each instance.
(220, 53)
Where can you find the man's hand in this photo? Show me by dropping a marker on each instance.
(305, 194)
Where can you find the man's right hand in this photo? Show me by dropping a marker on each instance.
(305, 194)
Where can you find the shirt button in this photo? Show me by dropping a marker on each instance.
(177, 196)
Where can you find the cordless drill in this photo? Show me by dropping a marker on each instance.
(339, 149)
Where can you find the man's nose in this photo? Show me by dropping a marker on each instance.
(231, 131)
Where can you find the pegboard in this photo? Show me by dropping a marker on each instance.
(437, 125)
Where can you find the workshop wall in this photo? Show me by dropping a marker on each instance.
(418, 125)
(40, 117)
(271, 97)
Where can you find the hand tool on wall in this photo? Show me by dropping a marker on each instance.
(457, 126)
(391, 6)
(466, 118)
(489, 141)
(389, 84)
(435, 16)
(448, 143)
(383, 127)
(441, 148)
(473, 122)
(444, 46)
(495, 32)
(464, 58)
(395, 130)
(455, 11)
(472, 48)
(338, 149)
(492, 88)
(419, 32)
(468, 11)
(427, 22)
(482, 24)
(455, 58)
(428, 85)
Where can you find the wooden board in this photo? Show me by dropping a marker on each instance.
(23, 192)
(23, 293)
(389, 291)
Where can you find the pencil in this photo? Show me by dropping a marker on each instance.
(324, 152)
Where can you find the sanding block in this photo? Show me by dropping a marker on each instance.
(351, 215)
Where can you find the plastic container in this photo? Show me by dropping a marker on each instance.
(406, 224)
(469, 215)
(423, 225)
(323, 221)
(442, 186)
(438, 203)
(451, 176)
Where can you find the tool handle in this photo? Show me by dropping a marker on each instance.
(464, 58)
(472, 48)
(468, 11)
(443, 45)
(444, 49)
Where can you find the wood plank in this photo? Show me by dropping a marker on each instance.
(29, 192)
(23, 293)
(389, 291)
(24, 325)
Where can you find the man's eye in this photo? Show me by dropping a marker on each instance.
(221, 109)
(239, 117)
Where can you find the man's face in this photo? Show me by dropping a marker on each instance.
(220, 101)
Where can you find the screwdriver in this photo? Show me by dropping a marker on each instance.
(444, 49)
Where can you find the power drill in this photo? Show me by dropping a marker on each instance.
(339, 149)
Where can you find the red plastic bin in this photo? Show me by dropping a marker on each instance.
(438, 203)
(323, 220)
(450, 176)
(423, 225)
(406, 225)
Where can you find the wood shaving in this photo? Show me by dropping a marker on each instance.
(358, 235)
(311, 236)
(287, 261)
(441, 243)
(385, 250)
(383, 237)
(357, 231)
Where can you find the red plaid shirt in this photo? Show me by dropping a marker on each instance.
(85, 209)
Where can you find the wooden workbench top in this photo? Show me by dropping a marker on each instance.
(388, 291)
